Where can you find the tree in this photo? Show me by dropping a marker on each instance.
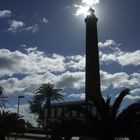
(129, 120)
(109, 123)
(42, 99)
(3, 100)
(10, 122)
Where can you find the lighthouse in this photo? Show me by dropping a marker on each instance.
(92, 86)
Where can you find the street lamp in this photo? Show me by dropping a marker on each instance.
(19, 97)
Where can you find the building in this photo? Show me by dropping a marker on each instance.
(68, 110)
(92, 75)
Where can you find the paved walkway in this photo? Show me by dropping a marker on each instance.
(74, 138)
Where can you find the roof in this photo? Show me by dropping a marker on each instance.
(67, 103)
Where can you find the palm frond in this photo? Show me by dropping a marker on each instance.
(3, 99)
(117, 103)
(131, 110)
(43, 97)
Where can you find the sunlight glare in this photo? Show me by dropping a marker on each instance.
(82, 10)
(90, 2)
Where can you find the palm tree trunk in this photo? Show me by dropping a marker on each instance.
(48, 108)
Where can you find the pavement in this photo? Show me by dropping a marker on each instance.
(11, 138)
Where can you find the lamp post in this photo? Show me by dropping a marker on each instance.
(19, 97)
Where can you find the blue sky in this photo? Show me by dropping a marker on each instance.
(44, 41)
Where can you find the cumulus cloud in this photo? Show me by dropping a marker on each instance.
(112, 53)
(129, 58)
(135, 93)
(119, 80)
(109, 53)
(71, 80)
(76, 62)
(32, 61)
(19, 26)
(121, 57)
(16, 26)
(37, 67)
(30, 83)
(26, 85)
(67, 80)
(5, 13)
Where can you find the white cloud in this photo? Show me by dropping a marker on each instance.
(76, 97)
(32, 49)
(135, 92)
(5, 13)
(16, 26)
(129, 58)
(32, 61)
(122, 58)
(33, 28)
(118, 80)
(37, 67)
(23, 108)
(107, 58)
(19, 26)
(67, 80)
(107, 43)
(24, 111)
(44, 20)
(76, 62)
(30, 83)
(110, 52)
(71, 80)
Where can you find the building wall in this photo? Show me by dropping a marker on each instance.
(68, 111)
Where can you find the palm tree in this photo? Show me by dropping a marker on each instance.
(108, 115)
(3, 100)
(44, 95)
(47, 93)
(114, 124)
(10, 122)
(109, 123)
(129, 120)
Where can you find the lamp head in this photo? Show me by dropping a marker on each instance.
(91, 12)
(20, 96)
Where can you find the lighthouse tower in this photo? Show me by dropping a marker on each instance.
(92, 57)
